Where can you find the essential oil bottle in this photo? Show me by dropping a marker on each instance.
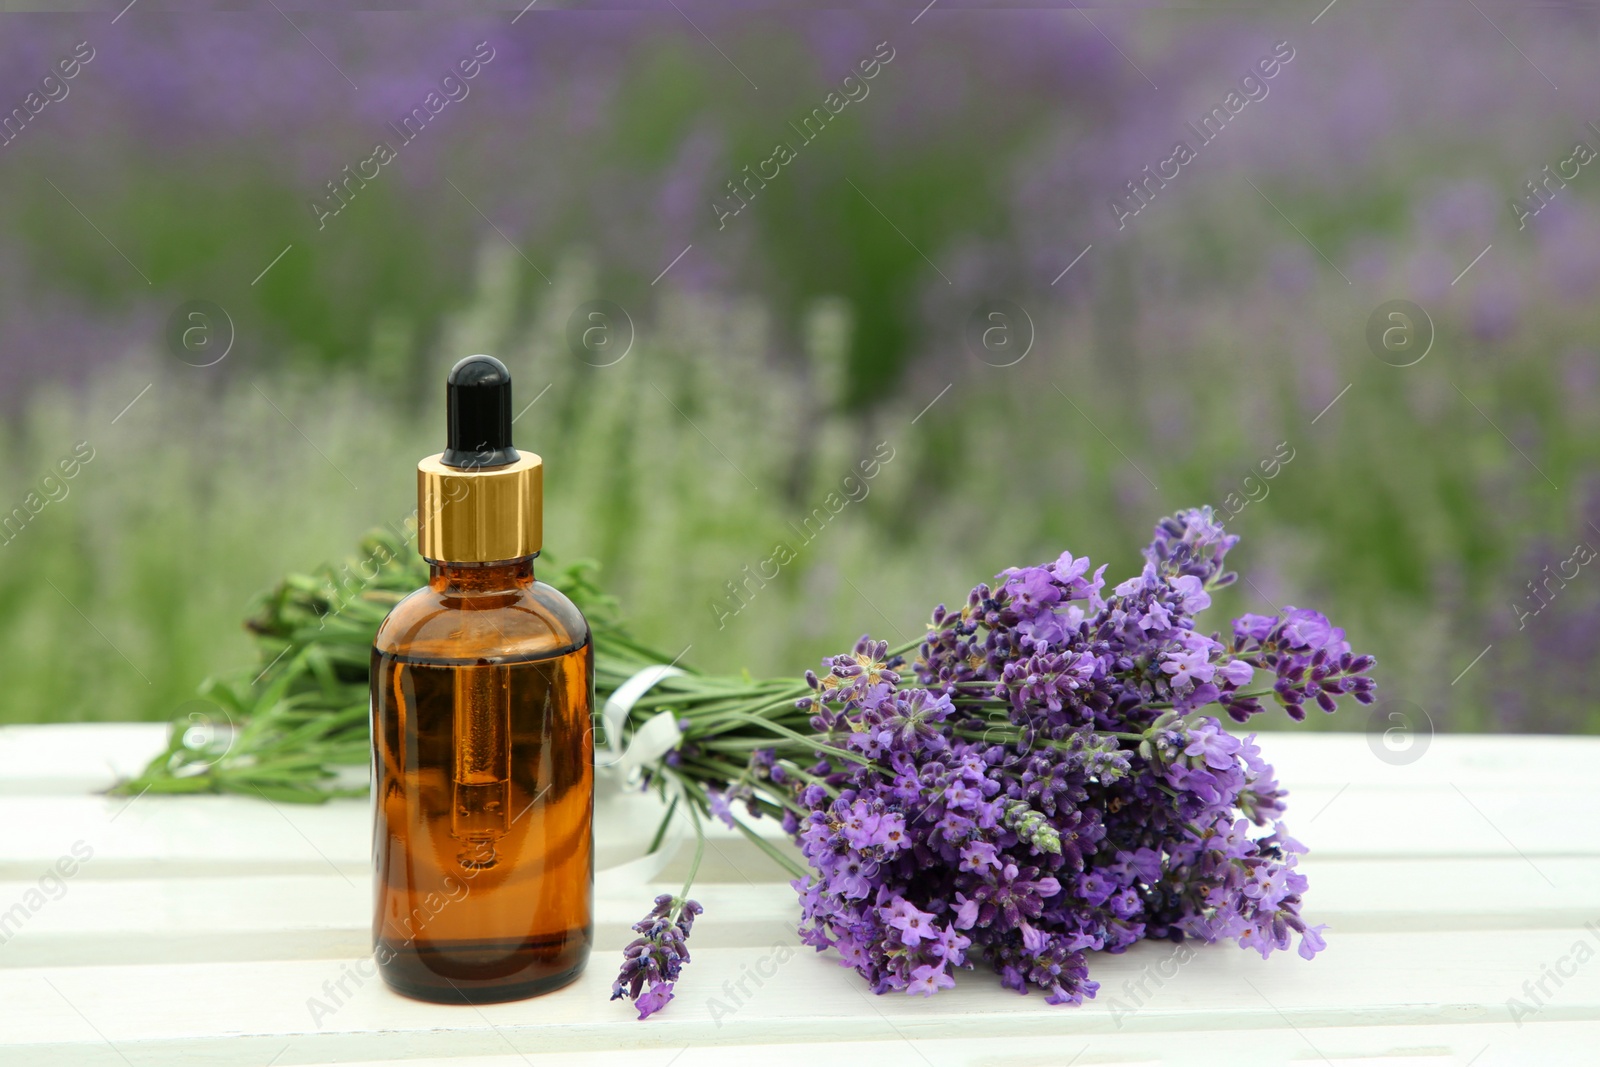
(482, 749)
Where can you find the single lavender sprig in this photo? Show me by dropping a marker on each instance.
(652, 961)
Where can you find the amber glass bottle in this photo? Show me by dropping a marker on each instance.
(483, 770)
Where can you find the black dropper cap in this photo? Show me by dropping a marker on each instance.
(478, 399)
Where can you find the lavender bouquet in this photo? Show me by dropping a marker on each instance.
(1041, 780)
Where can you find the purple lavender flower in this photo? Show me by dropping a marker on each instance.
(718, 801)
(1192, 543)
(651, 962)
(1309, 656)
(1032, 590)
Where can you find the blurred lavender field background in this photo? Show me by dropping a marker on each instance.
(1144, 361)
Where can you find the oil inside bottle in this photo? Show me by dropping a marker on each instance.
(482, 780)
(482, 840)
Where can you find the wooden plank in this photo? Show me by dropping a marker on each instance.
(154, 836)
(214, 919)
(1443, 1045)
(1305, 758)
(76, 757)
(84, 920)
(90, 757)
(247, 1012)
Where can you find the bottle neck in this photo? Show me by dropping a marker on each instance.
(478, 579)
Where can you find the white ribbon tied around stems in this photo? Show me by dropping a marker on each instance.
(652, 739)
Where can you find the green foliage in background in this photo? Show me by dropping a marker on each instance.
(1401, 514)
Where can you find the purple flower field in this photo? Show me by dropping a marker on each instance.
(1080, 266)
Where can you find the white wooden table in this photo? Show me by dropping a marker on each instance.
(221, 930)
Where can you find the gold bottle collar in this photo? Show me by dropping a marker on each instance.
(480, 516)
